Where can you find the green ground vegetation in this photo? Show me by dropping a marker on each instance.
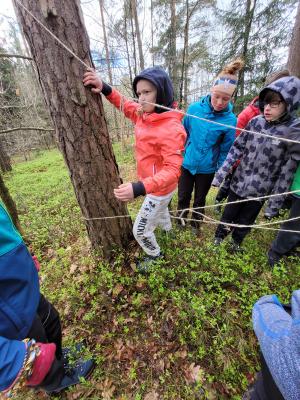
(184, 332)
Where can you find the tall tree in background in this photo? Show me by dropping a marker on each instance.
(8, 103)
(192, 50)
(257, 31)
(109, 70)
(293, 63)
(78, 117)
(107, 52)
(176, 21)
(137, 33)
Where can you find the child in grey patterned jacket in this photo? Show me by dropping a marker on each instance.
(267, 163)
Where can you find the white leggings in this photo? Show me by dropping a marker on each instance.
(154, 212)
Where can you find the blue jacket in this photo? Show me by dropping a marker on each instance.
(279, 338)
(207, 144)
(19, 298)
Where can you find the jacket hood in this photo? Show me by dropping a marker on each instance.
(289, 88)
(161, 80)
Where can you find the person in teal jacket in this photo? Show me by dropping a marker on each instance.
(207, 143)
(286, 242)
(30, 333)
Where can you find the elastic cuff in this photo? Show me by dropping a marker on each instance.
(138, 189)
(106, 89)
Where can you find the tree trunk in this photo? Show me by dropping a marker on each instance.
(9, 204)
(172, 48)
(152, 34)
(138, 33)
(107, 57)
(5, 164)
(183, 83)
(250, 7)
(293, 63)
(133, 38)
(127, 47)
(77, 116)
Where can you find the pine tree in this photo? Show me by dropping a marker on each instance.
(259, 32)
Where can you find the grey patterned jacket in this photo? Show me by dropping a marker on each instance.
(267, 165)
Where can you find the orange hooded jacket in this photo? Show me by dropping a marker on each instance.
(159, 144)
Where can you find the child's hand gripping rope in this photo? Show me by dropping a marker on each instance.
(92, 80)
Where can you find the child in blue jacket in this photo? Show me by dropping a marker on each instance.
(207, 143)
(30, 331)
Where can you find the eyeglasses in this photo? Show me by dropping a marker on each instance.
(272, 104)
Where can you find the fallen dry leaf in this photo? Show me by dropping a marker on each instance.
(73, 268)
(117, 290)
(194, 373)
(153, 395)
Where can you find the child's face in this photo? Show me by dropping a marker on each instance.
(274, 110)
(146, 91)
(219, 100)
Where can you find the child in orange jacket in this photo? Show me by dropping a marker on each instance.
(159, 143)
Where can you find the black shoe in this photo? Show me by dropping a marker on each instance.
(71, 355)
(235, 247)
(195, 231)
(74, 375)
(218, 241)
(144, 266)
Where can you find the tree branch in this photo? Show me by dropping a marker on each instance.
(15, 106)
(3, 55)
(26, 128)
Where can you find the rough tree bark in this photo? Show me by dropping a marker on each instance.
(5, 164)
(294, 51)
(9, 204)
(77, 116)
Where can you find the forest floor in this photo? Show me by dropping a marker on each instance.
(183, 332)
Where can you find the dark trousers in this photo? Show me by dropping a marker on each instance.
(264, 387)
(46, 328)
(242, 214)
(287, 241)
(187, 183)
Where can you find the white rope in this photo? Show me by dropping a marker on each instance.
(54, 36)
(244, 226)
(204, 207)
(256, 226)
(181, 112)
(217, 123)
(234, 202)
(154, 104)
(209, 220)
